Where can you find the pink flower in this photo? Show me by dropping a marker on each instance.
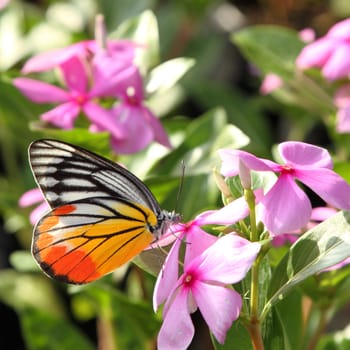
(31, 197)
(285, 207)
(121, 50)
(140, 126)
(320, 214)
(197, 240)
(91, 72)
(307, 35)
(198, 243)
(72, 101)
(203, 285)
(342, 101)
(330, 53)
(270, 83)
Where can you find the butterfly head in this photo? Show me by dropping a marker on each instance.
(165, 220)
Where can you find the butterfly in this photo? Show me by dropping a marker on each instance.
(101, 214)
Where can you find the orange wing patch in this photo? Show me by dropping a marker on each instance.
(80, 242)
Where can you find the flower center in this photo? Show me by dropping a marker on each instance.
(189, 279)
(79, 98)
(131, 96)
(287, 169)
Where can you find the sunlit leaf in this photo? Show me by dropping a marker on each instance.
(173, 70)
(325, 245)
(272, 49)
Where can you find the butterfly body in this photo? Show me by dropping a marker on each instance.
(102, 215)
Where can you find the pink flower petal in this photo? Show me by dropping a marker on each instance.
(51, 59)
(284, 238)
(63, 116)
(38, 212)
(168, 277)
(177, 329)
(331, 187)
(343, 120)
(197, 241)
(230, 162)
(39, 91)
(285, 207)
(338, 65)
(104, 119)
(112, 76)
(226, 261)
(131, 87)
(123, 49)
(342, 96)
(307, 35)
(300, 154)
(138, 133)
(340, 30)
(75, 75)
(270, 83)
(30, 197)
(159, 132)
(229, 214)
(219, 306)
(315, 54)
(322, 213)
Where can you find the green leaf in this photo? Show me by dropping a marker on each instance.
(173, 70)
(203, 137)
(244, 113)
(292, 322)
(143, 30)
(115, 12)
(343, 169)
(236, 338)
(325, 245)
(271, 48)
(275, 335)
(43, 331)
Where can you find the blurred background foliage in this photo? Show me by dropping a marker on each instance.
(219, 90)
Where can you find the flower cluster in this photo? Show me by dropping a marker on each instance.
(210, 265)
(331, 54)
(285, 207)
(94, 73)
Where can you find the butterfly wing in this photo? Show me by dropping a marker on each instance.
(81, 241)
(102, 215)
(66, 173)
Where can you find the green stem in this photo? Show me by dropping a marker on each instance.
(250, 199)
(254, 326)
(255, 335)
(254, 292)
(105, 330)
